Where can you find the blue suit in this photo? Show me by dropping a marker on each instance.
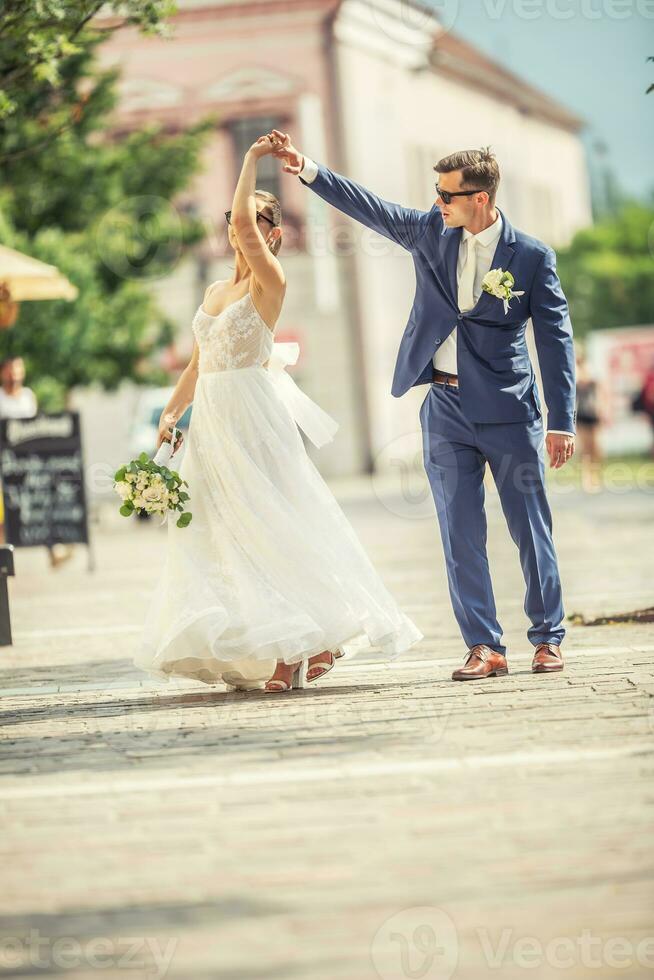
(495, 414)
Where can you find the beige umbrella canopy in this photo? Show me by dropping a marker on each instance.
(27, 278)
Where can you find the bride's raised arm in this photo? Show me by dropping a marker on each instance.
(254, 234)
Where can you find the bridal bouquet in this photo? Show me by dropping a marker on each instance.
(500, 283)
(148, 485)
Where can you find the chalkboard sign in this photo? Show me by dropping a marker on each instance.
(43, 480)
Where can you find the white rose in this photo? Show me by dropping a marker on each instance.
(493, 278)
(123, 489)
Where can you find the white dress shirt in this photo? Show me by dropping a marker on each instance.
(486, 242)
(22, 405)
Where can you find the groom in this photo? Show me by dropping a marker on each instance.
(482, 404)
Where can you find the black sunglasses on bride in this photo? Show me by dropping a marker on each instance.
(260, 214)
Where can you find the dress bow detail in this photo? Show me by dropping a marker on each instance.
(310, 417)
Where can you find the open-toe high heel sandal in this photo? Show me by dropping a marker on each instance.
(298, 680)
(325, 665)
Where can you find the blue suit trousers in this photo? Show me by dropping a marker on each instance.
(455, 453)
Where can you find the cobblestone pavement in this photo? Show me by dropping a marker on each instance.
(386, 822)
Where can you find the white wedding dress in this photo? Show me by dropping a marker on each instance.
(269, 567)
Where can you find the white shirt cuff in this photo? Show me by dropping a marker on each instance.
(309, 170)
(560, 432)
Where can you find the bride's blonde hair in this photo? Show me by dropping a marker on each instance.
(273, 210)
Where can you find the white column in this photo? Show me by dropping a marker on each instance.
(319, 244)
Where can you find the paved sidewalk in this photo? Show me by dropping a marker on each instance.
(386, 822)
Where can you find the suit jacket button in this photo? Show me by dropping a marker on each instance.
(459, 316)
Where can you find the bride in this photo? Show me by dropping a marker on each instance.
(269, 581)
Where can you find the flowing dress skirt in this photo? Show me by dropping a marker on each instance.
(269, 567)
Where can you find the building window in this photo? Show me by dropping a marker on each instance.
(244, 133)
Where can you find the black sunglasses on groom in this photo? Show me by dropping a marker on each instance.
(448, 195)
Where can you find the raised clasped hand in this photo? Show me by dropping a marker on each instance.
(264, 146)
(284, 150)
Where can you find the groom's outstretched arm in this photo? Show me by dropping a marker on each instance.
(406, 226)
(401, 224)
(553, 336)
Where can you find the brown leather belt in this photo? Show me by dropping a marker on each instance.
(440, 377)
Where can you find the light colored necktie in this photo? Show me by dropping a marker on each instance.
(467, 281)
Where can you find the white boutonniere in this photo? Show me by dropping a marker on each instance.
(499, 283)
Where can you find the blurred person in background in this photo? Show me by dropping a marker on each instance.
(591, 415)
(644, 400)
(18, 401)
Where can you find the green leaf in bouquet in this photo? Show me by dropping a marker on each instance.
(120, 474)
(126, 509)
(184, 520)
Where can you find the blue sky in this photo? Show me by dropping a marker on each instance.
(592, 62)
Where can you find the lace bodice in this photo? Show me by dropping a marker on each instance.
(237, 337)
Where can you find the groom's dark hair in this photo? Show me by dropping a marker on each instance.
(478, 169)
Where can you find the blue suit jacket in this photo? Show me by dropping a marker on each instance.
(496, 377)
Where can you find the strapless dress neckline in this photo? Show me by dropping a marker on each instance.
(216, 316)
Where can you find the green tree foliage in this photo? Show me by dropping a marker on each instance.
(100, 209)
(607, 272)
(38, 36)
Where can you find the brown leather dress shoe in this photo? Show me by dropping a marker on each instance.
(481, 661)
(547, 657)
